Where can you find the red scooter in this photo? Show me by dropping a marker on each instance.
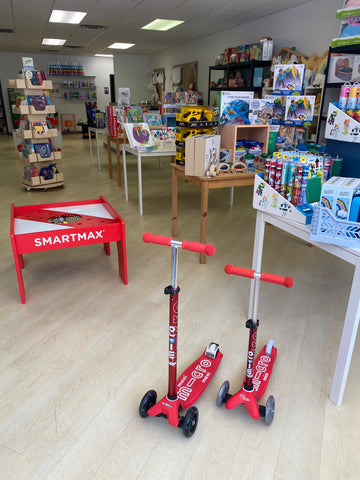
(184, 392)
(259, 369)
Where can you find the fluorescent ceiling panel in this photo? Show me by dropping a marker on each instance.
(53, 41)
(65, 16)
(103, 55)
(162, 25)
(122, 46)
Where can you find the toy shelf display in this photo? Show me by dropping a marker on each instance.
(35, 135)
(80, 87)
(247, 75)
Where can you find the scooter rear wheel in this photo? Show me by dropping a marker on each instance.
(148, 401)
(269, 410)
(223, 393)
(190, 421)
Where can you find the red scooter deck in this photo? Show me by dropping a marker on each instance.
(263, 366)
(189, 387)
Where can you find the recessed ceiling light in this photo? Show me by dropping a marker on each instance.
(65, 16)
(122, 46)
(53, 41)
(103, 55)
(162, 24)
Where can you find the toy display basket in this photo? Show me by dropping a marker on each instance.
(326, 228)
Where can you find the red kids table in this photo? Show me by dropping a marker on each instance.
(51, 226)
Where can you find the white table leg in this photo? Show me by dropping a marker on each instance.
(98, 149)
(231, 198)
(125, 172)
(91, 157)
(347, 342)
(257, 257)
(139, 182)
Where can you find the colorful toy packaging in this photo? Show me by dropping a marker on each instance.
(299, 110)
(261, 111)
(278, 108)
(288, 79)
(234, 106)
(340, 195)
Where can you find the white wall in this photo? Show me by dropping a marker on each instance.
(100, 67)
(309, 27)
(132, 71)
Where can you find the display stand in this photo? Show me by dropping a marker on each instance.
(39, 138)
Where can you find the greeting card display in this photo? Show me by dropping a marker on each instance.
(139, 135)
(288, 79)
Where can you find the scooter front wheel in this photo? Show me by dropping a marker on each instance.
(148, 401)
(270, 410)
(222, 396)
(190, 421)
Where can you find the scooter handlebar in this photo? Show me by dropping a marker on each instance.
(185, 245)
(265, 277)
(158, 239)
(208, 249)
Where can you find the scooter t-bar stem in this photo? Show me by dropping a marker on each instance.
(185, 245)
(265, 277)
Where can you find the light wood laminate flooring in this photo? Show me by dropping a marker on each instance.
(76, 359)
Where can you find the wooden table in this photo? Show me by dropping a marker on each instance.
(118, 141)
(36, 228)
(225, 180)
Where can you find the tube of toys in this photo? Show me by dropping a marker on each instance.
(297, 184)
(290, 181)
(278, 174)
(272, 172)
(267, 169)
(304, 180)
(284, 175)
(344, 95)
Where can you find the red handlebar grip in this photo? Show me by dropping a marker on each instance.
(242, 272)
(159, 239)
(198, 247)
(265, 277)
(269, 277)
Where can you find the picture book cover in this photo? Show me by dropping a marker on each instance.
(135, 115)
(153, 119)
(299, 110)
(20, 100)
(37, 101)
(40, 128)
(139, 135)
(288, 79)
(42, 149)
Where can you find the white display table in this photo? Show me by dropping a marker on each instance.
(97, 131)
(141, 154)
(350, 255)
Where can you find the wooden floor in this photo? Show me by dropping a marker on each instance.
(76, 359)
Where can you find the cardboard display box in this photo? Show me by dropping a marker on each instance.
(201, 151)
